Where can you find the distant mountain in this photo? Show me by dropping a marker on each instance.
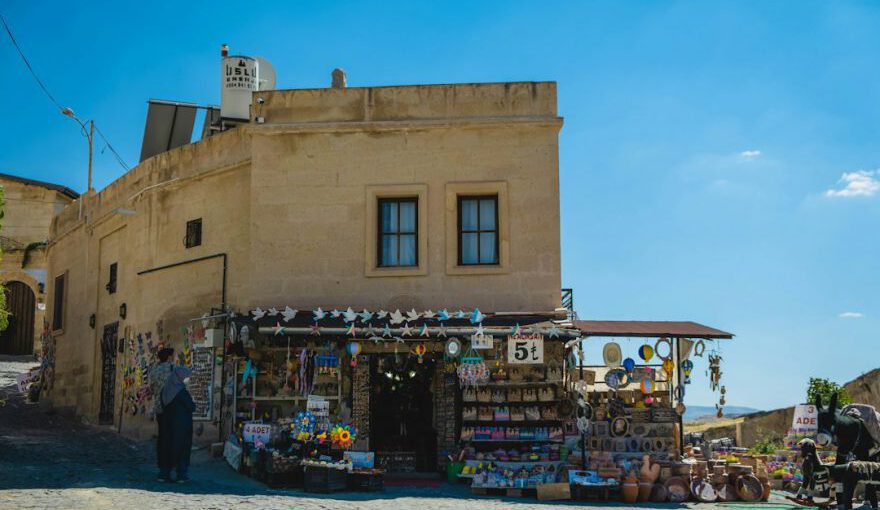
(700, 413)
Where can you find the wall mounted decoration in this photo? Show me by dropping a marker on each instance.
(612, 355)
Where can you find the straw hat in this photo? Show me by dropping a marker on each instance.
(612, 355)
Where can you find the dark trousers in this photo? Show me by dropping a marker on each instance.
(174, 445)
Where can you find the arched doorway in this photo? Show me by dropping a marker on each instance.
(20, 303)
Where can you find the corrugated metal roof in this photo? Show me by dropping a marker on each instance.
(651, 329)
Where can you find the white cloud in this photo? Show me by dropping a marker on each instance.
(861, 183)
(851, 315)
(750, 154)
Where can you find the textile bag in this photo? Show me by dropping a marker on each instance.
(469, 395)
(547, 394)
(498, 396)
(485, 414)
(515, 374)
(469, 413)
(484, 395)
(514, 395)
(533, 413)
(502, 414)
(517, 414)
(529, 395)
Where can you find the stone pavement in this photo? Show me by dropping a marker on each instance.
(48, 461)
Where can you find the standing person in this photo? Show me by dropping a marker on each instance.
(178, 407)
(158, 376)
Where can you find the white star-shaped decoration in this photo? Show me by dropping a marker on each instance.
(278, 329)
(441, 331)
(479, 330)
(272, 312)
(289, 313)
(258, 313)
(349, 315)
(319, 314)
(386, 331)
(553, 332)
(424, 331)
(407, 330)
(396, 317)
(369, 330)
(350, 330)
(412, 315)
(381, 314)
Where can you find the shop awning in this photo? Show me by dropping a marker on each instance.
(651, 329)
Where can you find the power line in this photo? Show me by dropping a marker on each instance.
(49, 94)
(28, 64)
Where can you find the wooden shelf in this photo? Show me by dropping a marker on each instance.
(513, 440)
(525, 423)
(292, 399)
(519, 384)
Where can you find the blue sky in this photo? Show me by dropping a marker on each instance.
(702, 160)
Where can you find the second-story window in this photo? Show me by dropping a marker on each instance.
(193, 233)
(478, 230)
(398, 232)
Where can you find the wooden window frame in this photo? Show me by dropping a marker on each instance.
(381, 234)
(478, 231)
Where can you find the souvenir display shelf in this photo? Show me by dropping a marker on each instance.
(246, 405)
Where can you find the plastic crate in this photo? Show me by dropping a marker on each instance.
(317, 479)
(366, 482)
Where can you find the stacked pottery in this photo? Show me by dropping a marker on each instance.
(647, 478)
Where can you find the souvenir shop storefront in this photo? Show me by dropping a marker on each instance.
(506, 404)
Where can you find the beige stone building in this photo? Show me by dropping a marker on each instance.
(393, 197)
(28, 211)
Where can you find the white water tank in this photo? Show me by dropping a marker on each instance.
(240, 77)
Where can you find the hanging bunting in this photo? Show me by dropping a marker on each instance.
(258, 313)
(318, 314)
(272, 312)
(381, 314)
(349, 315)
(288, 314)
(334, 314)
(412, 315)
(460, 314)
(366, 315)
(477, 316)
(428, 314)
(443, 315)
(396, 317)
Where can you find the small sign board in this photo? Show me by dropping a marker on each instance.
(525, 349)
(256, 431)
(319, 406)
(482, 341)
(360, 459)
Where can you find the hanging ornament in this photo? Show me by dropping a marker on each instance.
(407, 330)
(647, 387)
(646, 352)
(453, 347)
(516, 331)
(668, 367)
(258, 313)
(699, 348)
(289, 313)
(612, 355)
(443, 315)
(687, 366)
(318, 314)
(421, 349)
(354, 348)
(668, 343)
(423, 331)
(477, 316)
(629, 364)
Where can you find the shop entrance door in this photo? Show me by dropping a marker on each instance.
(402, 428)
(108, 373)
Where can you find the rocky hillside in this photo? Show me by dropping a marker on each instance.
(749, 428)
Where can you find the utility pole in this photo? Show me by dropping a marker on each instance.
(91, 145)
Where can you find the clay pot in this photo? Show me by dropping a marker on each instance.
(629, 491)
(665, 474)
(645, 491)
(749, 488)
(677, 489)
(658, 493)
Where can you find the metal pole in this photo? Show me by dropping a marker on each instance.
(91, 145)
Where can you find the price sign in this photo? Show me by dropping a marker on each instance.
(525, 349)
(482, 341)
(256, 431)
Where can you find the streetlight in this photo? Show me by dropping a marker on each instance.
(90, 134)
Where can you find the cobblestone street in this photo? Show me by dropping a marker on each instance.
(48, 461)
